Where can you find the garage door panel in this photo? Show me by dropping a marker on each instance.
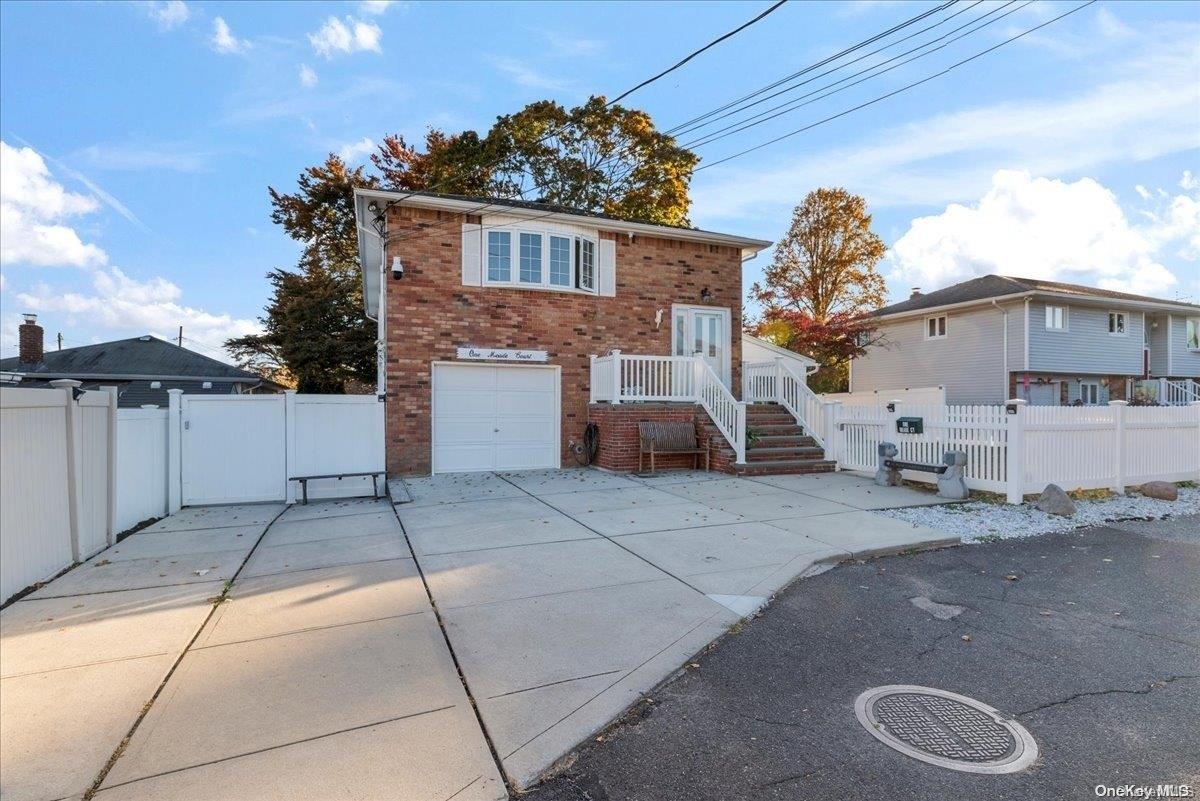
(494, 418)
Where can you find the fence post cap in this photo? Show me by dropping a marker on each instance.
(175, 391)
(1118, 403)
(65, 383)
(149, 405)
(290, 391)
(1020, 401)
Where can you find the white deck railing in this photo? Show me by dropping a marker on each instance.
(1178, 393)
(622, 378)
(776, 382)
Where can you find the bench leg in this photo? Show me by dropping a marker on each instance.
(374, 487)
(304, 490)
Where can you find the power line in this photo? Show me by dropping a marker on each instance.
(819, 64)
(695, 53)
(895, 92)
(792, 105)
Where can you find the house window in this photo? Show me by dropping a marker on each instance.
(560, 261)
(499, 256)
(585, 251)
(542, 259)
(1056, 318)
(1089, 393)
(1116, 323)
(531, 258)
(935, 327)
(1193, 333)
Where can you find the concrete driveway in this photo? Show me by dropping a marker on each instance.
(296, 653)
(567, 594)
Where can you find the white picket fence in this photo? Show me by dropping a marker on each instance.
(1017, 449)
(75, 473)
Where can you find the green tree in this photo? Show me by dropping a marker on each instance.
(602, 158)
(822, 283)
(315, 328)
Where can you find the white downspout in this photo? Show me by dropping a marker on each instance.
(1027, 300)
(381, 325)
(1004, 387)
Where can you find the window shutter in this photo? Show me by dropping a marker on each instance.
(472, 261)
(607, 268)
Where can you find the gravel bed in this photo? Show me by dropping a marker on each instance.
(977, 521)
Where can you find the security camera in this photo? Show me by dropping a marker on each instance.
(397, 268)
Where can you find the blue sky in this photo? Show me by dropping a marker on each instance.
(140, 138)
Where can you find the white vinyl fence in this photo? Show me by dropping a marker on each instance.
(1017, 449)
(75, 472)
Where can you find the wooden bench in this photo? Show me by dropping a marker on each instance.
(339, 476)
(667, 439)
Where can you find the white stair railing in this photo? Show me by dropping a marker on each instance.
(726, 411)
(758, 381)
(1178, 393)
(810, 411)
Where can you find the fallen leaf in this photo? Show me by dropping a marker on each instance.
(1045, 613)
(966, 638)
(1010, 577)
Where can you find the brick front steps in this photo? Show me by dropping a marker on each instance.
(782, 446)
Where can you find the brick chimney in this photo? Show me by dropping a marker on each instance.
(916, 293)
(30, 340)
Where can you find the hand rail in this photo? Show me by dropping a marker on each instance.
(728, 413)
(793, 394)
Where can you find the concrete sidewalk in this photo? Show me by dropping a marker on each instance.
(323, 674)
(567, 594)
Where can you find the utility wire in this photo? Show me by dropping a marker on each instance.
(895, 92)
(792, 105)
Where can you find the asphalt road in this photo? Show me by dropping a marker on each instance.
(1094, 647)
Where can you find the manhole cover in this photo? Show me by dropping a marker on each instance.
(946, 729)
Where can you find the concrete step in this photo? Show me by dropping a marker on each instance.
(798, 440)
(784, 467)
(758, 454)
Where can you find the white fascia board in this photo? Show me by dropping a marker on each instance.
(1068, 298)
(749, 247)
(781, 351)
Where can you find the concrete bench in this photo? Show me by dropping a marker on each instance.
(951, 481)
(665, 439)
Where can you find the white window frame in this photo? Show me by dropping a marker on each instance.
(1065, 326)
(514, 260)
(945, 318)
(1112, 324)
(1194, 322)
(1093, 388)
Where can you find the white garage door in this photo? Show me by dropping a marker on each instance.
(494, 418)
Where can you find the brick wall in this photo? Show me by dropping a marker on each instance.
(430, 314)
(619, 440)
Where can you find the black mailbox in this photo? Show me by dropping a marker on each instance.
(910, 425)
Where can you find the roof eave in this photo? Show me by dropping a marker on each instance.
(748, 246)
(1097, 299)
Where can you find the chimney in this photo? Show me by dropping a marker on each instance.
(916, 293)
(30, 340)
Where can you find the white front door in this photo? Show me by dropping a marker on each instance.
(703, 331)
(492, 417)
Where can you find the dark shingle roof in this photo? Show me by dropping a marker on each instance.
(994, 286)
(141, 356)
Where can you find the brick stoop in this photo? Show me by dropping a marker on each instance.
(782, 446)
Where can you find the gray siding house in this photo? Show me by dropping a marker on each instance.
(996, 337)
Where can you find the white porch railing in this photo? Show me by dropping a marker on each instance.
(776, 382)
(622, 378)
(1178, 393)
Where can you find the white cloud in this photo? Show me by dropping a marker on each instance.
(525, 75)
(123, 304)
(377, 7)
(1144, 108)
(169, 14)
(350, 36)
(1050, 229)
(135, 157)
(33, 208)
(356, 152)
(223, 40)
(307, 76)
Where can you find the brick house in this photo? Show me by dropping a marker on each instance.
(497, 321)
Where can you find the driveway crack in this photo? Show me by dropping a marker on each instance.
(1149, 688)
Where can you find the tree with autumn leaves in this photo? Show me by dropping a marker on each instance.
(817, 292)
(598, 157)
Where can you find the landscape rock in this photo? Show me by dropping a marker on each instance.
(1163, 490)
(1055, 501)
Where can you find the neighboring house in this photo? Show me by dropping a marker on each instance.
(490, 310)
(760, 350)
(142, 368)
(997, 337)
